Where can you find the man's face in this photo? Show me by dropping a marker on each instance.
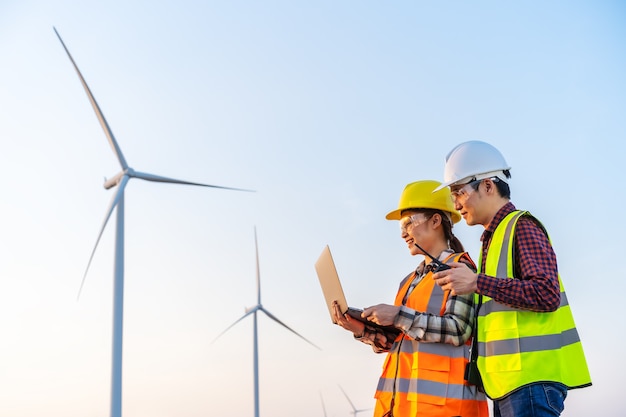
(467, 199)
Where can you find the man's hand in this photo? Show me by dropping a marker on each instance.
(459, 279)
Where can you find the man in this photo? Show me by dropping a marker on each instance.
(529, 352)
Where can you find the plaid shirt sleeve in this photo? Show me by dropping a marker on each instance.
(454, 327)
(380, 340)
(536, 286)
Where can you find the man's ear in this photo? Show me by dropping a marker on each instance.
(489, 185)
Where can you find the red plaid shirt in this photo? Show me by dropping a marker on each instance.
(536, 284)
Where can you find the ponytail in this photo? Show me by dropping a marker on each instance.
(453, 242)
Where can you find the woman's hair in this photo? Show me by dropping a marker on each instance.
(453, 242)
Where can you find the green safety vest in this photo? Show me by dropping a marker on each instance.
(519, 347)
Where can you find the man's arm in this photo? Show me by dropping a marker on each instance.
(454, 327)
(536, 286)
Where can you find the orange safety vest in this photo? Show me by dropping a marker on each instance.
(428, 377)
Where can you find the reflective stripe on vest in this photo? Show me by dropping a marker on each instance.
(429, 375)
(519, 347)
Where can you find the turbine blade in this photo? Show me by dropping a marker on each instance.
(271, 316)
(96, 108)
(348, 398)
(323, 405)
(258, 271)
(158, 178)
(112, 205)
(232, 325)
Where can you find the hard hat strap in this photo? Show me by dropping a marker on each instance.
(500, 175)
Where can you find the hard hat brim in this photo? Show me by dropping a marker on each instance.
(476, 177)
(397, 214)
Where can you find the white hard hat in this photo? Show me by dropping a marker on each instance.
(473, 160)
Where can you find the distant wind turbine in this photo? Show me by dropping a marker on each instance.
(253, 310)
(120, 180)
(354, 411)
(323, 405)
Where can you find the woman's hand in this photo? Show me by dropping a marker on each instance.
(348, 322)
(381, 314)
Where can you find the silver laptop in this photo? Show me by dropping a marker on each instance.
(331, 287)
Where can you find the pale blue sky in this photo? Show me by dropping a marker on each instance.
(326, 109)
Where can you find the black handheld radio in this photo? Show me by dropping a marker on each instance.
(437, 264)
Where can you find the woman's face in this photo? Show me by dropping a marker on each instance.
(414, 229)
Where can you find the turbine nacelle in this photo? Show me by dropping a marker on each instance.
(254, 308)
(114, 181)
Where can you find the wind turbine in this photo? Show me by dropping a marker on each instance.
(323, 405)
(354, 409)
(253, 310)
(119, 180)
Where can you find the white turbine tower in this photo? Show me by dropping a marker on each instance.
(354, 411)
(253, 310)
(120, 180)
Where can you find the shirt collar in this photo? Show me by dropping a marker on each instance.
(499, 216)
(423, 269)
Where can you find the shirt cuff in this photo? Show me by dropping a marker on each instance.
(405, 318)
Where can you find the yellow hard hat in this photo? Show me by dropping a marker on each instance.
(420, 195)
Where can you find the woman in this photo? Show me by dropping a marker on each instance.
(428, 344)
